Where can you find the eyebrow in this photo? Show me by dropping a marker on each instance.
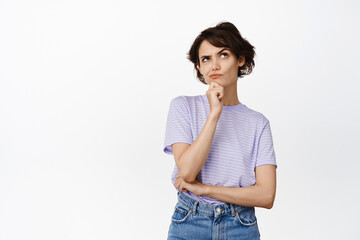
(203, 56)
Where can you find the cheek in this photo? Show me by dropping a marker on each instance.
(204, 68)
(232, 69)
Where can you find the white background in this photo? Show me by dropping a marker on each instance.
(85, 88)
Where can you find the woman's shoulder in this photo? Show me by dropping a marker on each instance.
(190, 100)
(189, 97)
(256, 115)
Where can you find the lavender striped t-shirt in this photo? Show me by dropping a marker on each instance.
(242, 141)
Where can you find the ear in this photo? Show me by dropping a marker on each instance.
(198, 67)
(241, 61)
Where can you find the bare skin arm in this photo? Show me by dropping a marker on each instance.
(190, 158)
(262, 194)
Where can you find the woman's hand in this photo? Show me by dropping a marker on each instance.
(195, 187)
(215, 93)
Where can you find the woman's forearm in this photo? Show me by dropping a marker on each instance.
(252, 196)
(194, 157)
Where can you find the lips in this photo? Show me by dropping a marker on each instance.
(215, 75)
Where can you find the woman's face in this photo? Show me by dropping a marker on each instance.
(218, 64)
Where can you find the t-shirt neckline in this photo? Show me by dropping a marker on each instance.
(234, 107)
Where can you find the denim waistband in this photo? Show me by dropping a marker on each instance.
(209, 209)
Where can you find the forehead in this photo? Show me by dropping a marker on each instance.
(207, 48)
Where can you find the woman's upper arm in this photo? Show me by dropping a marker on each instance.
(178, 150)
(266, 178)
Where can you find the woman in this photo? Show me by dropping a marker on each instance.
(223, 150)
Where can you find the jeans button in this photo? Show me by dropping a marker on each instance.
(218, 210)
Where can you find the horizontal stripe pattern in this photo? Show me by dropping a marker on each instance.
(242, 141)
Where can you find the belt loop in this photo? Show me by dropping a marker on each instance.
(232, 209)
(194, 208)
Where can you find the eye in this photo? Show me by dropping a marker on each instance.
(224, 54)
(205, 59)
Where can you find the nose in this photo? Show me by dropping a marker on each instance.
(215, 65)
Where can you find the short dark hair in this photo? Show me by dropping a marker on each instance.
(224, 34)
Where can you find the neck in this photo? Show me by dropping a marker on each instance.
(230, 95)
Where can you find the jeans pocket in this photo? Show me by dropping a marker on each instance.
(181, 213)
(246, 216)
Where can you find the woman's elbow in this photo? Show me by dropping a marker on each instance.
(269, 205)
(188, 177)
(269, 202)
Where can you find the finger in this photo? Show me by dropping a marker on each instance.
(221, 93)
(219, 87)
(216, 84)
(177, 184)
(218, 92)
(183, 189)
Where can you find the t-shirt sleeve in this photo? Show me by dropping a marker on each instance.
(266, 153)
(178, 126)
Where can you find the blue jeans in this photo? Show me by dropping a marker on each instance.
(195, 220)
